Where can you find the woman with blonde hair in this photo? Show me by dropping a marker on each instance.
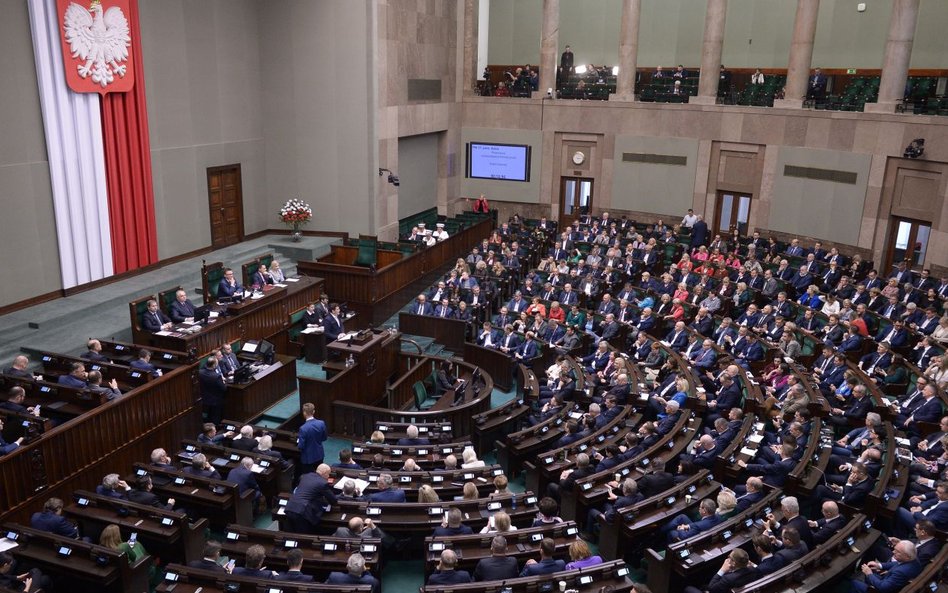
(377, 438)
(276, 272)
(580, 556)
(727, 502)
(111, 537)
(427, 494)
(498, 522)
(469, 459)
(469, 492)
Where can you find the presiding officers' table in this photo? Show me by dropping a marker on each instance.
(252, 319)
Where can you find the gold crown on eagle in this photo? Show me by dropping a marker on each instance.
(94, 3)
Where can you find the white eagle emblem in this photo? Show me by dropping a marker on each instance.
(102, 41)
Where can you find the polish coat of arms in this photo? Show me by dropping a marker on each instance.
(96, 46)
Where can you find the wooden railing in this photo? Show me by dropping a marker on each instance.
(110, 438)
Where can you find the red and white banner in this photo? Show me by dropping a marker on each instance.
(92, 93)
(97, 45)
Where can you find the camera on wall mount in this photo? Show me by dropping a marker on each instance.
(392, 178)
(915, 149)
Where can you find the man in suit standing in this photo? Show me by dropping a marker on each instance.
(182, 308)
(312, 498)
(213, 389)
(498, 566)
(332, 323)
(816, 88)
(699, 232)
(310, 439)
(154, 320)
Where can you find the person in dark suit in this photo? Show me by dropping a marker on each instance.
(143, 363)
(76, 378)
(110, 391)
(253, 564)
(229, 286)
(93, 352)
(768, 563)
(51, 520)
(201, 467)
(311, 317)
(143, 495)
(294, 562)
(412, 437)
(773, 474)
(228, 361)
(699, 233)
(829, 525)
(934, 510)
(355, 574)
(498, 566)
(894, 575)
(735, 572)
(816, 88)
(6, 447)
(154, 320)
(658, 480)
(452, 525)
(853, 493)
(19, 368)
(261, 277)
(386, 493)
(310, 439)
(213, 389)
(446, 574)
(242, 475)
(310, 500)
(182, 308)
(332, 323)
(547, 563)
(211, 558)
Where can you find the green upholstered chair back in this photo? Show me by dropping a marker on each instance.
(166, 297)
(421, 395)
(247, 270)
(296, 318)
(368, 251)
(137, 309)
(211, 276)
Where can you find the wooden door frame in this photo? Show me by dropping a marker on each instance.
(592, 195)
(240, 198)
(889, 251)
(718, 205)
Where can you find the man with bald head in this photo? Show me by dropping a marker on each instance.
(310, 500)
(892, 576)
(825, 528)
(18, 369)
(359, 528)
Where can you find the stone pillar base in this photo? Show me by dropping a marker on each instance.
(788, 103)
(622, 98)
(541, 95)
(886, 107)
(702, 100)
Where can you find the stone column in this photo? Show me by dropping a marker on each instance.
(801, 53)
(628, 50)
(469, 73)
(898, 53)
(711, 53)
(549, 46)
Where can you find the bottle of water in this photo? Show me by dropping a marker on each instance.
(350, 361)
(513, 502)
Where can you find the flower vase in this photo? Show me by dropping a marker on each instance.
(297, 234)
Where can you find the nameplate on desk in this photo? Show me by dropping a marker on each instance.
(291, 279)
(280, 285)
(748, 452)
(163, 333)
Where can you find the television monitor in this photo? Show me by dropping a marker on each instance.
(504, 162)
(266, 352)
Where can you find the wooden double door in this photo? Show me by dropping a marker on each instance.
(225, 202)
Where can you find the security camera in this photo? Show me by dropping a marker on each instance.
(549, 93)
(915, 149)
(392, 178)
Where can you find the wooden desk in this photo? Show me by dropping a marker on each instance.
(272, 384)
(223, 506)
(194, 580)
(450, 332)
(257, 319)
(168, 534)
(368, 290)
(495, 363)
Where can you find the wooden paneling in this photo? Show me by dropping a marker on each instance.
(108, 439)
